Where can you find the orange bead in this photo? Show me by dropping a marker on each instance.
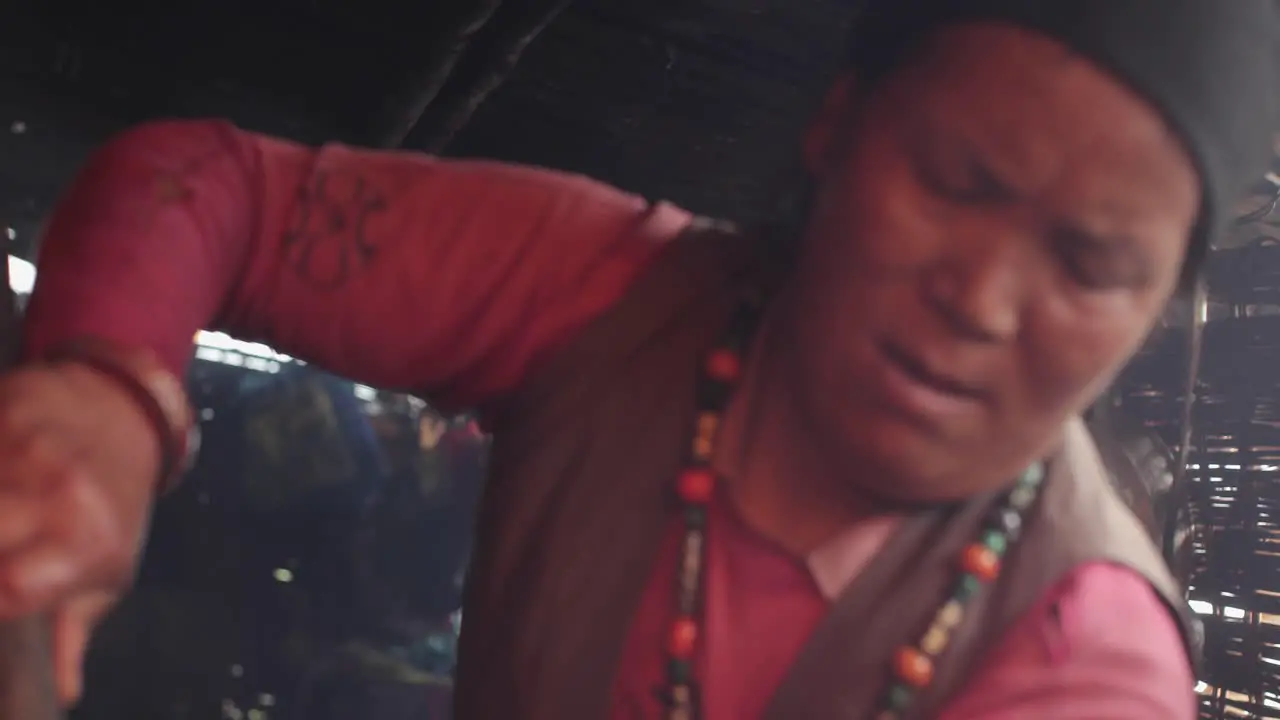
(704, 436)
(913, 667)
(708, 423)
(981, 561)
(724, 365)
(683, 639)
(697, 485)
(702, 449)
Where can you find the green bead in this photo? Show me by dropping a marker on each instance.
(967, 587)
(679, 671)
(996, 542)
(899, 697)
(1033, 475)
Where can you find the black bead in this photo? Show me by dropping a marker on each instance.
(695, 517)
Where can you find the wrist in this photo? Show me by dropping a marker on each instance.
(156, 392)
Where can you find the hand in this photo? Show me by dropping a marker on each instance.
(78, 464)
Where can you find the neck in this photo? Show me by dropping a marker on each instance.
(779, 480)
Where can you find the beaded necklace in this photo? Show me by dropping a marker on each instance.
(912, 665)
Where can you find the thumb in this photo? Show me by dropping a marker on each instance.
(72, 629)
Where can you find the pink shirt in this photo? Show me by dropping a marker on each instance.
(455, 278)
(1100, 646)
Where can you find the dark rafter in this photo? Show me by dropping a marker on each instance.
(492, 56)
(438, 61)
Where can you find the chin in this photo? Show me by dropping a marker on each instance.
(897, 462)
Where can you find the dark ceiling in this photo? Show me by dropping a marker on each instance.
(698, 101)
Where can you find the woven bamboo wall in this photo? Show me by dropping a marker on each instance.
(1235, 473)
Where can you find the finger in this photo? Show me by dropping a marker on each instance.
(31, 462)
(102, 551)
(16, 415)
(37, 577)
(28, 484)
(73, 627)
(21, 517)
(76, 548)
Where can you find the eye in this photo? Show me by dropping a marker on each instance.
(1088, 273)
(943, 183)
(1102, 265)
(961, 180)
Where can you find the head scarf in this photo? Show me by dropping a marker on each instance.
(1211, 67)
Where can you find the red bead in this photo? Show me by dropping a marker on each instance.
(724, 365)
(697, 485)
(981, 562)
(913, 667)
(683, 639)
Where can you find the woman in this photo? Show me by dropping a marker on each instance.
(1006, 193)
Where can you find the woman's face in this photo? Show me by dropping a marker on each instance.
(996, 229)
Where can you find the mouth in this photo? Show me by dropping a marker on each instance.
(929, 377)
(924, 391)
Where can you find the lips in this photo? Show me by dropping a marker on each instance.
(928, 399)
(930, 376)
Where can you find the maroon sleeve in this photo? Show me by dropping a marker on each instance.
(394, 269)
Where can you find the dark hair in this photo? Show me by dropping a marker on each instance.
(879, 43)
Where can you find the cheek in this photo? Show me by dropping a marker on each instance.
(1070, 361)
(858, 255)
(864, 247)
(872, 231)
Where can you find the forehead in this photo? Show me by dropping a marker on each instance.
(1027, 102)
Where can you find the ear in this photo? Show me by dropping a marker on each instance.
(822, 141)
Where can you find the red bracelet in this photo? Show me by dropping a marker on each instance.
(156, 390)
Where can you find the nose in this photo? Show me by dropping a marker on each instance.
(976, 290)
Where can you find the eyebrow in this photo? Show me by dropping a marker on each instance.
(941, 140)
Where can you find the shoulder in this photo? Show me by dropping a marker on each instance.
(1100, 645)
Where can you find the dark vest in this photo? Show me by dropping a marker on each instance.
(579, 497)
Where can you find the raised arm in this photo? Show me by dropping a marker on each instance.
(394, 269)
(447, 278)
